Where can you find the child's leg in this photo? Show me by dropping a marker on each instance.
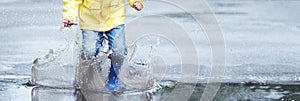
(99, 42)
(91, 42)
(117, 40)
(117, 44)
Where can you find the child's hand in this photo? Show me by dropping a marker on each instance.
(67, 23)
(138, 6)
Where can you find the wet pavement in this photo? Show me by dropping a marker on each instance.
(261, 38)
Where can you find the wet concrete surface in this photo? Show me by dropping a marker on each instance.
(262, 51)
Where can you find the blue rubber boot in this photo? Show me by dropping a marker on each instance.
(113, 83)
(116, 64)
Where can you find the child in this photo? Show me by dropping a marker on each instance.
(99, 18)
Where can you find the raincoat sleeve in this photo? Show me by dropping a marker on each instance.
(131, 2)
(71, 9)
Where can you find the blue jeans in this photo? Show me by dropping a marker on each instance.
(93, 40)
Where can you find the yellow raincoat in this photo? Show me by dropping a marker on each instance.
(97, 15)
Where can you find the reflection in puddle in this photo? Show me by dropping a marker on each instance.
(48, 94)
(53, 94)
(227, 92)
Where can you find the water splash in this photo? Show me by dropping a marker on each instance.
(150, 59)
(149, 55)
(56, 69)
